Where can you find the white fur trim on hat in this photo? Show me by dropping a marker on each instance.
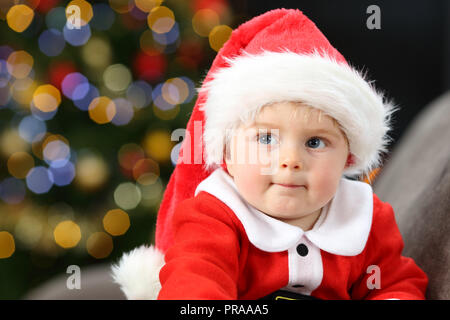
(137, 273)
(254, 80)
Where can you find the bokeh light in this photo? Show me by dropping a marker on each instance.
(51, 42)
(19, 64)
(148, 66)
(218, 36)
(11, 141)
(12, 190)
(63, 175)
(152, 193)
(7, 245)
(97, 53)
(56, 151)
(102, 110)
(121, 6)
(22, 91)
(204, 21)
(147, 5)
(67, 234)
(92, 171)
(129, 154)
(19, 17)
(116, 222)
(139, 93)
(158, 145)
(146, 171)
(75, 86)
(77, 37)
(99, 245)
(169, 37)
(29, 229)
(127, 195)
(84, 9)
(19, 164)
(46, 98)
(30, 127)
(4, 74)
(39, 180)
(56, 18)
(83, 103)
(161, 19)
(124, 112)
(117, 77)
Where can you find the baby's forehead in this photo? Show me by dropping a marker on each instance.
(292, 113)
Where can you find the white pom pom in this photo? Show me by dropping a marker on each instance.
(137, 273)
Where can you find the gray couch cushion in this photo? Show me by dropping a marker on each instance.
(416, 182)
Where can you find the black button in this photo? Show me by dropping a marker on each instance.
(302, 250)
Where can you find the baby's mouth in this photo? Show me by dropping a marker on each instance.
(292, 186)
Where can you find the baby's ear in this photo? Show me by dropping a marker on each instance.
(350, 160)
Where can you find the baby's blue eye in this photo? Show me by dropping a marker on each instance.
(315, 143)
(266, 139)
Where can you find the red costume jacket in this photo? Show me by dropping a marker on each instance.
(225, 248)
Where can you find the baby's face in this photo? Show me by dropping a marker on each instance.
(289, 162)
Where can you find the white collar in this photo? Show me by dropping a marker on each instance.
(342, 228)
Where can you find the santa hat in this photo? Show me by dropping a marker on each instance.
(278, 56)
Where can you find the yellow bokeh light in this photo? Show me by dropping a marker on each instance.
(19, 164)
(121, 6)
(11, 141)
(19, 64)
(116, 222)
(147, 5)
(102, 110)
(175, 91)
(85, 14)
(22, 91)
(117, 77)
(46, 98)
(67, 234)
(204, 21)
(161, 19)
(7, 245)
(92, 172)
(218, 36)
(97, 53)
(152, 193)
(157, 145)
(19, 17)
(99, 245)
(127, 195)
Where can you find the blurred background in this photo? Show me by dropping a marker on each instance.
(88, 107)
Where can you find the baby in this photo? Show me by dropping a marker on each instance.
(271, 212)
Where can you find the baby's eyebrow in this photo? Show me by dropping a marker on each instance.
(310, 131)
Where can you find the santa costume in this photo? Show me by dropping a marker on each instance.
(211, 244)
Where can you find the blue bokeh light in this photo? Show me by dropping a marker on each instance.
(30, 127)
(51, 42)
(39, 180)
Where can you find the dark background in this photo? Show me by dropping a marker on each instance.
(409, 57)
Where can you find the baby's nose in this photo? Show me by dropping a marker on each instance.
(293, 164)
